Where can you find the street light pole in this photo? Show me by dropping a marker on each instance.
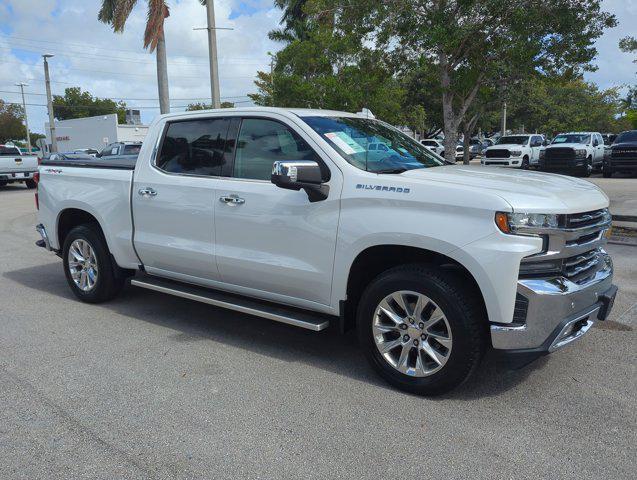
(49, 103)
(26, 117)
(212, 53)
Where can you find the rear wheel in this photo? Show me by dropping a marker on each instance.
(30, 184)
(420, 330)
(89, 268)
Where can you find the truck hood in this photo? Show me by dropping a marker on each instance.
(566, 145)
(525, 191)
(506, 146)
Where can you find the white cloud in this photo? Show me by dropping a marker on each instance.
(85, 48)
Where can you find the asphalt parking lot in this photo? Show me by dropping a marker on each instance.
(150, 386)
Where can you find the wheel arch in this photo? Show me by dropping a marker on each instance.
(373, 260)
(72, 217)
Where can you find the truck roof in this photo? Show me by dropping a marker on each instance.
(300, 112)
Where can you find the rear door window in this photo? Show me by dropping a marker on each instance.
(195, 147)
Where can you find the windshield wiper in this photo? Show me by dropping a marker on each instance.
(390, 170)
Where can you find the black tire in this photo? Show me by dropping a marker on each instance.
(30, 184)
(588, 168)
(110, 278)
(525, 163)
(607, 173)
(462, 308)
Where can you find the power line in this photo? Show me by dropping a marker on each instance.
(84, 46)
(93, 107)
(128, 99)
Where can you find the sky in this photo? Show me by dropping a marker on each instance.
(88, 54)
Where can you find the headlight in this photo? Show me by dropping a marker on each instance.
(513, 222)
(580, 152)
(516, 153)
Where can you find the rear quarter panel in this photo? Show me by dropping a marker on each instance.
(104, 193)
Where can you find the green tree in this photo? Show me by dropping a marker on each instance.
(11, 126)
(318, 68)
(472, 43)
(76, 103)
(554, 104)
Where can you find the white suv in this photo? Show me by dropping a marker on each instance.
(434, 145)
(521, 151)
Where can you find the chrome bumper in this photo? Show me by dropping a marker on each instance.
(559, 311)
(44, 243)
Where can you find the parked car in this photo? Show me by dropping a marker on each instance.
(89, 151)
(120, 148)
(16, 167)
(434, 145)
(519, 151)
(576, 153)
(623, 154)
(431, 263)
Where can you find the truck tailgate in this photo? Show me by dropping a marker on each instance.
(18, 164)
(102, 192)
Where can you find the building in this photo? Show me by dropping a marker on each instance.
(94, 132)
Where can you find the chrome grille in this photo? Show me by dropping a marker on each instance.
(579, 220)
(581, 267)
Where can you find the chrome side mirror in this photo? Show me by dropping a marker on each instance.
(300, 174)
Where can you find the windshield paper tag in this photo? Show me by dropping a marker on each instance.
(346, 143)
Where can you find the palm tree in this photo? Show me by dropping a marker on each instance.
(116, 12)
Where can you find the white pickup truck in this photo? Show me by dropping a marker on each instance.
(577, 153)
(519, 151)
(287, 214)
(15, 167)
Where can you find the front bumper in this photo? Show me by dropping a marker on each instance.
(502, 162)
(558, 312)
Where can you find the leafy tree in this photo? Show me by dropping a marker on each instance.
(320, 69)
(557, 104)
(471, 43)
(11, 126)
(76, 103)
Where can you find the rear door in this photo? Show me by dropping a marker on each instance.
(274, 240)
(174, 199)
(536, 145)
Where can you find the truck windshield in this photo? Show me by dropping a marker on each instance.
(8, 151)
(627, 137)
(512, 140)
(372, 145)
(571, 138)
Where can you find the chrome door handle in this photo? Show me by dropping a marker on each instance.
(147, 192)
(232, 199)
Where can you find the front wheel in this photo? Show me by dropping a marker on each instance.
(588, 168)
(525, 163)
(89, 267)
(607, 173)
(420, 329)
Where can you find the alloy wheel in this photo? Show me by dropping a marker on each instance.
(83, 265)
(412, 333)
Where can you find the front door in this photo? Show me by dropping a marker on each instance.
(174, 200)
(269, 239)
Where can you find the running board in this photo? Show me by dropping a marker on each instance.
(289, 315)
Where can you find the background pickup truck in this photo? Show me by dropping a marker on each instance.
(15, 167)
(576, 153)
(520, 151)
(290, 215)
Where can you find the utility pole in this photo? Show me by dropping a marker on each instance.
(26, 117)
(49, 103)
(212, 53)
(504, 118)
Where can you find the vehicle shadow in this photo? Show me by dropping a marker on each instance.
(196, 322)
